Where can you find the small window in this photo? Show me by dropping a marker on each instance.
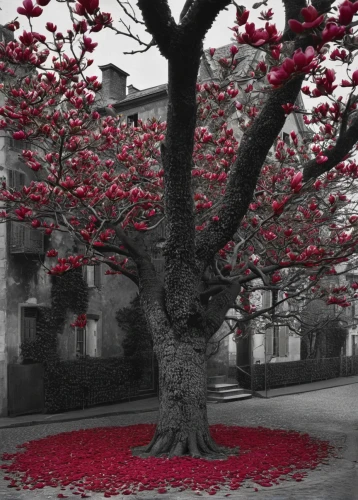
(16, 180)
(286, 138)
(93, 276)
(29, 317)
(132, 120)
(80, 342)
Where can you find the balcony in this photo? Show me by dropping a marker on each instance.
(25, 239)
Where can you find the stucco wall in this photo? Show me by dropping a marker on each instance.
(258, 349)
(157, 109)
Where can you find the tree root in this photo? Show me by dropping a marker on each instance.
(196, 444)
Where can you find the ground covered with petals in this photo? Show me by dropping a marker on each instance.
(100, 460)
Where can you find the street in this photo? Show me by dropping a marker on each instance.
(329, 414)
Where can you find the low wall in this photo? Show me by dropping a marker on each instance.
(295, 372)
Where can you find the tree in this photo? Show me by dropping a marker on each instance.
(235, 213)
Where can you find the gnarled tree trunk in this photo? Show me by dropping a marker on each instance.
(182, 427)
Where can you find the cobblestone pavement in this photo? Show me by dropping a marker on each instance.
(330, 414)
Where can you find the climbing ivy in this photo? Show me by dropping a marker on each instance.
(69, 292)
(137, 340)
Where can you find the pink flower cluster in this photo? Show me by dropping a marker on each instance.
(301, 62)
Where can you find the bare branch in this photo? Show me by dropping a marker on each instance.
(159, 22)
(123, 271)
(186, 9)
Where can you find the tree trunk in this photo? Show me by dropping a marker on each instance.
(183, 427)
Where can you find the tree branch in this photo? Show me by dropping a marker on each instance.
(159, 22)
(254, 147)
(344, 144)
(200, 16)
(123, 271)
(218, 307)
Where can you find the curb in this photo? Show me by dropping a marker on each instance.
(261, 394)
(73, 419)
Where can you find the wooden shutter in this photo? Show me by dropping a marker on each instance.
(269, 342)
(28, 323)
(25, 239)
(283, 341)
(266, 299)
(97, 275)
(16, 179)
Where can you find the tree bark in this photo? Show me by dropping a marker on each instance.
(182, 427)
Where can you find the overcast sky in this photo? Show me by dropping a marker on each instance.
(148, 69)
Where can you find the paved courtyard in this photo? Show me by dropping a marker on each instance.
(330, 414)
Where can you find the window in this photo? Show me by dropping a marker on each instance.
(92, 275)
(86, 338)
(354, 345)
(18, 145)
(28, 322)
(132, 120)
(80, 342)
(16, 179)
(23, 239)
(286, 138)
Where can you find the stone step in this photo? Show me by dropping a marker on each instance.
(221, 387)
(228, 399)
(229, 392)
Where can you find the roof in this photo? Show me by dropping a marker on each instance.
(210, 67)
(145, 93)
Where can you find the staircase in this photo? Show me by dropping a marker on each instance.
(220, 391)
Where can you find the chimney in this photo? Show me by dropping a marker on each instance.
(114, 84)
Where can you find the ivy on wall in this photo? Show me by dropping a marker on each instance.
(137, 341)
(84, 382)
(69, 292)
(88, 382)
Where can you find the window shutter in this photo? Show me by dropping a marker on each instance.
(97, 276)
(28, 323)
(283, 341)
(266, 299)
(16, 179)
(269, 342)
(24, 239)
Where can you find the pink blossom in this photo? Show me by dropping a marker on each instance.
(29, 9)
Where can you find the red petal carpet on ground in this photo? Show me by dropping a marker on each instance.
(100, 460)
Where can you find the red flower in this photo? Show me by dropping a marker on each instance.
(89, 6)
(29, 9)
(51, 27)
(52, 253)
(43, 3)
(88, 46)
(242, 16)
(311, 17)
(346, 12)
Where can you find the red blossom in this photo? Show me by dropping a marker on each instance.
(29, 9)
(347, 10)
(242, 16)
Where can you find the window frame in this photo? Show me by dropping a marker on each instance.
(21, 317)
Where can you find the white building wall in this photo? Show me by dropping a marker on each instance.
(3, 352)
